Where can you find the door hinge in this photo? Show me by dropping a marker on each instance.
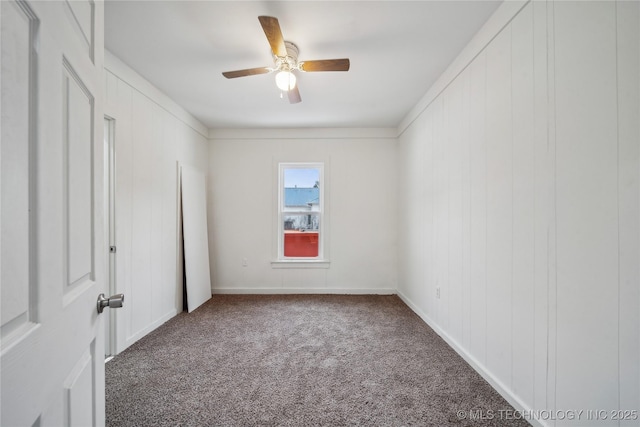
(112, 249)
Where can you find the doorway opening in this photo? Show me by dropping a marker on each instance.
(110, 284)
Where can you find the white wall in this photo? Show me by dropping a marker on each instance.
(152, 134)
(360, 209)
(522, 173)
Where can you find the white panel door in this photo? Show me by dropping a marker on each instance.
(52, 244)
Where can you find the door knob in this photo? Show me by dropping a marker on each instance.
(114, 301)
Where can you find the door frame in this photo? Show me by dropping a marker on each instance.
(111, 348)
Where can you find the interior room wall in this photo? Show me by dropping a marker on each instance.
(505, 214)
(520, 174)
(152, 135)
(360, 205)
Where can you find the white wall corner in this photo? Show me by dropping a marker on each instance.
(500, 19)
(116, 66)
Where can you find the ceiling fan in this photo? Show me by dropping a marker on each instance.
(285, 56)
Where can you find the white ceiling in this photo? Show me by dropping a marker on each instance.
(397, 50)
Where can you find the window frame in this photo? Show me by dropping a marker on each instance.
(281, 213)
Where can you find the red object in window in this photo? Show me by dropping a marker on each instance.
(300, 244)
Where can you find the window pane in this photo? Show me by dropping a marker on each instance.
(305, 222)
(300, 210)
(301, 235)
(302, 189)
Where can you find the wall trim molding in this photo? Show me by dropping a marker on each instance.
(305, 133)
(474, 363)
(116, 66)
(489, 31)
(293, 291)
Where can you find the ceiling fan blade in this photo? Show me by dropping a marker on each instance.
(326, 65)
(247, 72)
(272, 30)
(294, 96)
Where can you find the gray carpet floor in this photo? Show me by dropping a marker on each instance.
(297, 360)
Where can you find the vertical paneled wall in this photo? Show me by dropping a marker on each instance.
(587, 213)
(150, 141)
(628, 199)
(521, 183)
(596, 93)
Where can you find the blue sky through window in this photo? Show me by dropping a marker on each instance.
(301, 177)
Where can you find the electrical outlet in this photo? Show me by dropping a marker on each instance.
(438, 293)
(245, 262)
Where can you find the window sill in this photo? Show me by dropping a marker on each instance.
(306, 263)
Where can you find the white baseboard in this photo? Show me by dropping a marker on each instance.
(149, 328)
(514, 401)
(285, 291)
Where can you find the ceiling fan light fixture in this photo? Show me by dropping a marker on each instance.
(285, 80)
(285, 58)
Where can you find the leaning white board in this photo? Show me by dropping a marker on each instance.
(195, 237)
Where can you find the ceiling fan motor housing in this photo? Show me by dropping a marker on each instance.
(292, 50)
(289, 62)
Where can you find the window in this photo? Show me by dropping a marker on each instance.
(300, 211)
